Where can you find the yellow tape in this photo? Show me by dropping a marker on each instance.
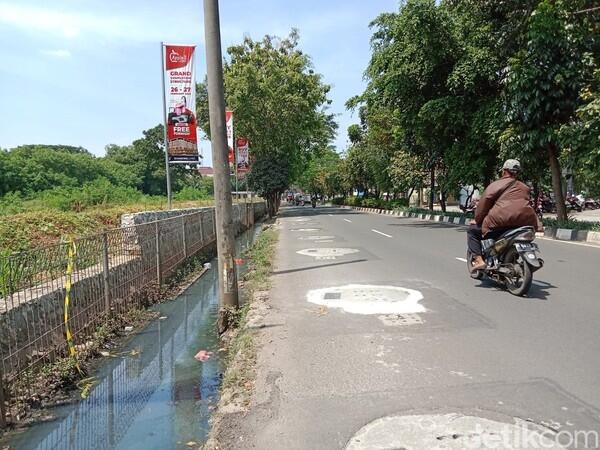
(72, 251)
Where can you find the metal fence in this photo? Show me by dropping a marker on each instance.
(111, 272)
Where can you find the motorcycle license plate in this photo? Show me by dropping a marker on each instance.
(525, 247)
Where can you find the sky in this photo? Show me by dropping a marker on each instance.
(88, 73)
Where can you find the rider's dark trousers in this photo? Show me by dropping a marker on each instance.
(474, 236)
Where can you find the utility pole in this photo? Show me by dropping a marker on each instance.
(165, 141)
(228, 288)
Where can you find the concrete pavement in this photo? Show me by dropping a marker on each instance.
(475, 351)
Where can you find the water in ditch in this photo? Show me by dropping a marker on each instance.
(157, 396)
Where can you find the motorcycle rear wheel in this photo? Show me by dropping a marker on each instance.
(521, 285)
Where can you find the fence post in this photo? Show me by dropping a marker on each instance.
(185, 252)
(106, 270)
(157, 250)
(2, 400)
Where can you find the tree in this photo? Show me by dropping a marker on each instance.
(544, 81)
(413, 54)
(407, 173)
(279, 104)
(322, 173)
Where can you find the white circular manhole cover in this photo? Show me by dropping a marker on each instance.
(451, 432)
(327, 252)
(315, 238)
(369, 299)
(305, 229)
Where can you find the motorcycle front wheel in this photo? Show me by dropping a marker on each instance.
(520, 281)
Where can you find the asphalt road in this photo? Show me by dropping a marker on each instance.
(476, 350)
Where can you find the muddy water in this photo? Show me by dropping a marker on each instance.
(155, 395)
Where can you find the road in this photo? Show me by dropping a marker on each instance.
(475, 350)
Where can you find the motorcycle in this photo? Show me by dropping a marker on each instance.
(313, 202)
(511, 260)
(573, 204)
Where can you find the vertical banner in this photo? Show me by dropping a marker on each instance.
(242, 156)
(231, 153)
(180, 103)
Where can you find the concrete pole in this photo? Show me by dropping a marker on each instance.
(228, 288)
(165, 141)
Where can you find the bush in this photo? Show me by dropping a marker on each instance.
(571, 224)
(11, 203)
(338, 201)
(97, 192)
(189, 193)
(399, 203)
(371, 203)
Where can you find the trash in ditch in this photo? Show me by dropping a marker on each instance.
(203, 355)
(86, 386)
(129, 328)
(104, 353)
(162, 317)
(135, 352)
(191, 444)
(239, 261)
(322, 311)
(207, 266)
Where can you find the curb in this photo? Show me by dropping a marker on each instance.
(559, 234)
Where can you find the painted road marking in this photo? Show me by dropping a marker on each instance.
(369, 299)
(379, 232)
(349, 221)
(461, 259)
(330, 215)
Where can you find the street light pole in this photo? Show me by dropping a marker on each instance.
(228, 289)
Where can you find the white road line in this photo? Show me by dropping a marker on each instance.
(349, 221)
(379, 232)
(330, 215)
(461, 259)
(569, 242)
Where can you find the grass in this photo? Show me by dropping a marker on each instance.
(239, 376)
(260, 257)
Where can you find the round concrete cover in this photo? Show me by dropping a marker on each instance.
(368, 299)
(327, 252)
(450, 432)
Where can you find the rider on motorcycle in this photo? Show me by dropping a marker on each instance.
(503, 205)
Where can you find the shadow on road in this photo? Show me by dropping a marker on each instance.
(539, 289)
(304, 211)
(301, 269)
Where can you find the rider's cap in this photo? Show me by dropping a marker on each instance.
(512, 165)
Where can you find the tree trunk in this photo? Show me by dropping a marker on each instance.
(432, 188)
(561, 209)
(410, 193)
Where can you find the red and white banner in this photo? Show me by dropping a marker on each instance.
(229, 126)
(180, 103)
(243, 155)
